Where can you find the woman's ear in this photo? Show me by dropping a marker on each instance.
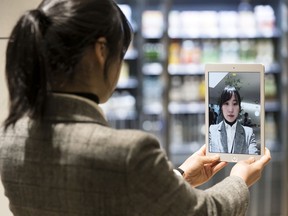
(100, 50)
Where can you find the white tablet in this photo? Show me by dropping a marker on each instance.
(235, 109)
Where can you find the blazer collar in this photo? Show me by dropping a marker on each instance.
(223, 136)
(239, 139)
(72, 108)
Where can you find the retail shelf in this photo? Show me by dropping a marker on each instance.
(153, 109)
(257, 35)
(130, 83)
(186, 69)
(154, 68)
(274, 34)
(187, 108)
(121, 115)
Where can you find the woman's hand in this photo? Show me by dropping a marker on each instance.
(199, 168)
(250, 170)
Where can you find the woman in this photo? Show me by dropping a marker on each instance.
(229, 136)
(58, 156)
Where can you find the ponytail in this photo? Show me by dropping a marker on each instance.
(25, 67)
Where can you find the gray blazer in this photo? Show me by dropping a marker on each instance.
(244, 141)
(71, 163)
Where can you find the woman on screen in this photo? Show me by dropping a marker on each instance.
(229, 136)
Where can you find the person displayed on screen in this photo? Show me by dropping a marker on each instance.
(58, 155)
(215, 117)
(247, 120)
(230, 136)
(211, 116)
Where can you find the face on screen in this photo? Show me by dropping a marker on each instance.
(230, 109)
(234, 112)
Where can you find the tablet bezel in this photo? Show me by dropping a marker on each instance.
(238, 68)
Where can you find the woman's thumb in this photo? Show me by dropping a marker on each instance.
(210, 159)
(250, 160)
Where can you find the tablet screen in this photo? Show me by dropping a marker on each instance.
(234, 110)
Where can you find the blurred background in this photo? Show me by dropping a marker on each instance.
(161, 88)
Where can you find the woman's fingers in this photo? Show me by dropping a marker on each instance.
(216, 167)
(202, 150)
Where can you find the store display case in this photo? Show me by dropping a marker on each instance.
(284, 104)
(174, 40)
(234, 31)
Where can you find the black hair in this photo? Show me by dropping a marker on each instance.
(227, 94)
(48, 42)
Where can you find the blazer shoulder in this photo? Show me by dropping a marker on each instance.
(248, 130)
(215, 127)
(141, 146)
(133, 142)
(137, 138)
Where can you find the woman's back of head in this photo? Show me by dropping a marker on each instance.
(47, 43)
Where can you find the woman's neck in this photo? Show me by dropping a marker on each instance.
(230, 123)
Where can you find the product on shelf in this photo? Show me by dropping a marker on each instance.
(190, 89)
(210, 51)
(187, 130)
(154, 68)
(271, 131)
(152, 24)
(154, 125)
(176, 132)
(174, 53)
(175, 93)
(265, 51)
(175, 25)
(186, 55)
(187, 89)
(190, 52)
(121, 106)
(229, 50)
(265, 19)
(270, 87)
(153, 51)
(247, 51)
(152, 94)
(246, 22)
(228, 23)
(202, 91)
(209, 24)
